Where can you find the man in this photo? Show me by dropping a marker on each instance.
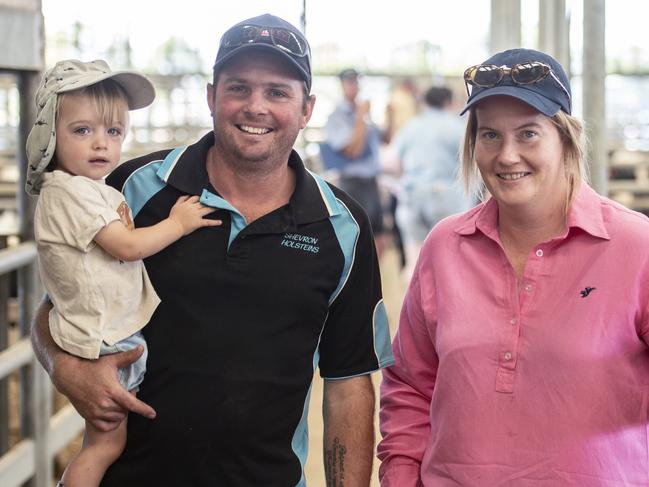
(427, 148)
(350, 132)
(289, 282)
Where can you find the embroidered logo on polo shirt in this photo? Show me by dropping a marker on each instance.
(300, 242)
(587, 291)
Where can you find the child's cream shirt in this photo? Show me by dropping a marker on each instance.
(96, 297)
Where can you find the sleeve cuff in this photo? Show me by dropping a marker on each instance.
(400, 474)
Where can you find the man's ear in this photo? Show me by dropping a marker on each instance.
(308, 110)
(211, 93)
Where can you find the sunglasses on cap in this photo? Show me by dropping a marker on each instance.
(490, 75)
(251, 34)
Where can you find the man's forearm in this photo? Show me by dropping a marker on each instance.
(357, 142)
(42, 342)
(348, 412)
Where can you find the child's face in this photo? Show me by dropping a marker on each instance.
(86, 145)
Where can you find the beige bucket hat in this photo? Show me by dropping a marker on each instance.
(64, 77)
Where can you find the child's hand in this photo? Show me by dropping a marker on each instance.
(189, 213)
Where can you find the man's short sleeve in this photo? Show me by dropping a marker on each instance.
(356, 337)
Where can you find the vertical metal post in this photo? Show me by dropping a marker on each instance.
(505, 30)
(594, 92)
(554, 30)
(36, 400)
(4, 343)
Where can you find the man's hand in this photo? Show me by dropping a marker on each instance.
(91, 385)
(93, 388)
(363, 108)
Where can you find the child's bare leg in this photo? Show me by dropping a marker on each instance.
(99, 450)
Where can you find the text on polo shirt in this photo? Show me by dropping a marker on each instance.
(300, 242)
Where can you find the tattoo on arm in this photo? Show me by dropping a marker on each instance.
(335, 464)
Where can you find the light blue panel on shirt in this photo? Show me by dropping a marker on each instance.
(382, 343)
(170, 162)
(328, 196)
(347, 232)
(141, 185)
(300, 441)
(345, 227)
(238, 220)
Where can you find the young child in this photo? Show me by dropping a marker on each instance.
(89, 252)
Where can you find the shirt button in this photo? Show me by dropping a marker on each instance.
(513, 321)
(508, 356)
(539, 253)
(529, 287)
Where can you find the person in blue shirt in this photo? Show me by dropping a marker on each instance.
(427, 148)
(350, 132)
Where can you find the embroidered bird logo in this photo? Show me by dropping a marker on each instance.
(587, 290)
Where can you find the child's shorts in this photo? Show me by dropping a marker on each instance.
(133, 375)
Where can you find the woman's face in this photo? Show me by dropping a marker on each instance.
(519, 153)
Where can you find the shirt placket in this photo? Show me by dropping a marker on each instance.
(521, 299)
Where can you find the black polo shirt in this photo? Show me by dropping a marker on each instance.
(247, 313)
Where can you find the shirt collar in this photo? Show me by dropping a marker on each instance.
(585, 213)
(184, 168)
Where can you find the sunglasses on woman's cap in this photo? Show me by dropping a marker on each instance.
(489, 75)
(531, 76)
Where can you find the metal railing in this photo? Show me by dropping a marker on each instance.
(44, 434)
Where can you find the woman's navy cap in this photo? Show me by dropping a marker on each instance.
(301, 63)
(546, 95)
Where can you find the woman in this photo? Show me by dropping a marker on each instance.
(521, 356)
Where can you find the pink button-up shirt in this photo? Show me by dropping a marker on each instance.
(545, 383)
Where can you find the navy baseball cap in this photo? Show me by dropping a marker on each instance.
(549, 94)
(270, 33)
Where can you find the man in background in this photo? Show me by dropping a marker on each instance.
(351, 132)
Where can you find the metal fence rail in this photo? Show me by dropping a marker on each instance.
(32, 457)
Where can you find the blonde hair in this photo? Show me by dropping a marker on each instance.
(107, 97)
(572, 135)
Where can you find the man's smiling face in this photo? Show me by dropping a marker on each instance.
(258, 107)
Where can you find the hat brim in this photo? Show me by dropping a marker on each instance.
(140, 92)
(539, 102)
(265, 47)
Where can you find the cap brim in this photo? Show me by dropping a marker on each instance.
(539, 102)
(267, 47)
(140, 92)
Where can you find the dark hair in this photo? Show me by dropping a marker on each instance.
(438, 96)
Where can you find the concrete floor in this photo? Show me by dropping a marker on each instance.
(393, 296)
